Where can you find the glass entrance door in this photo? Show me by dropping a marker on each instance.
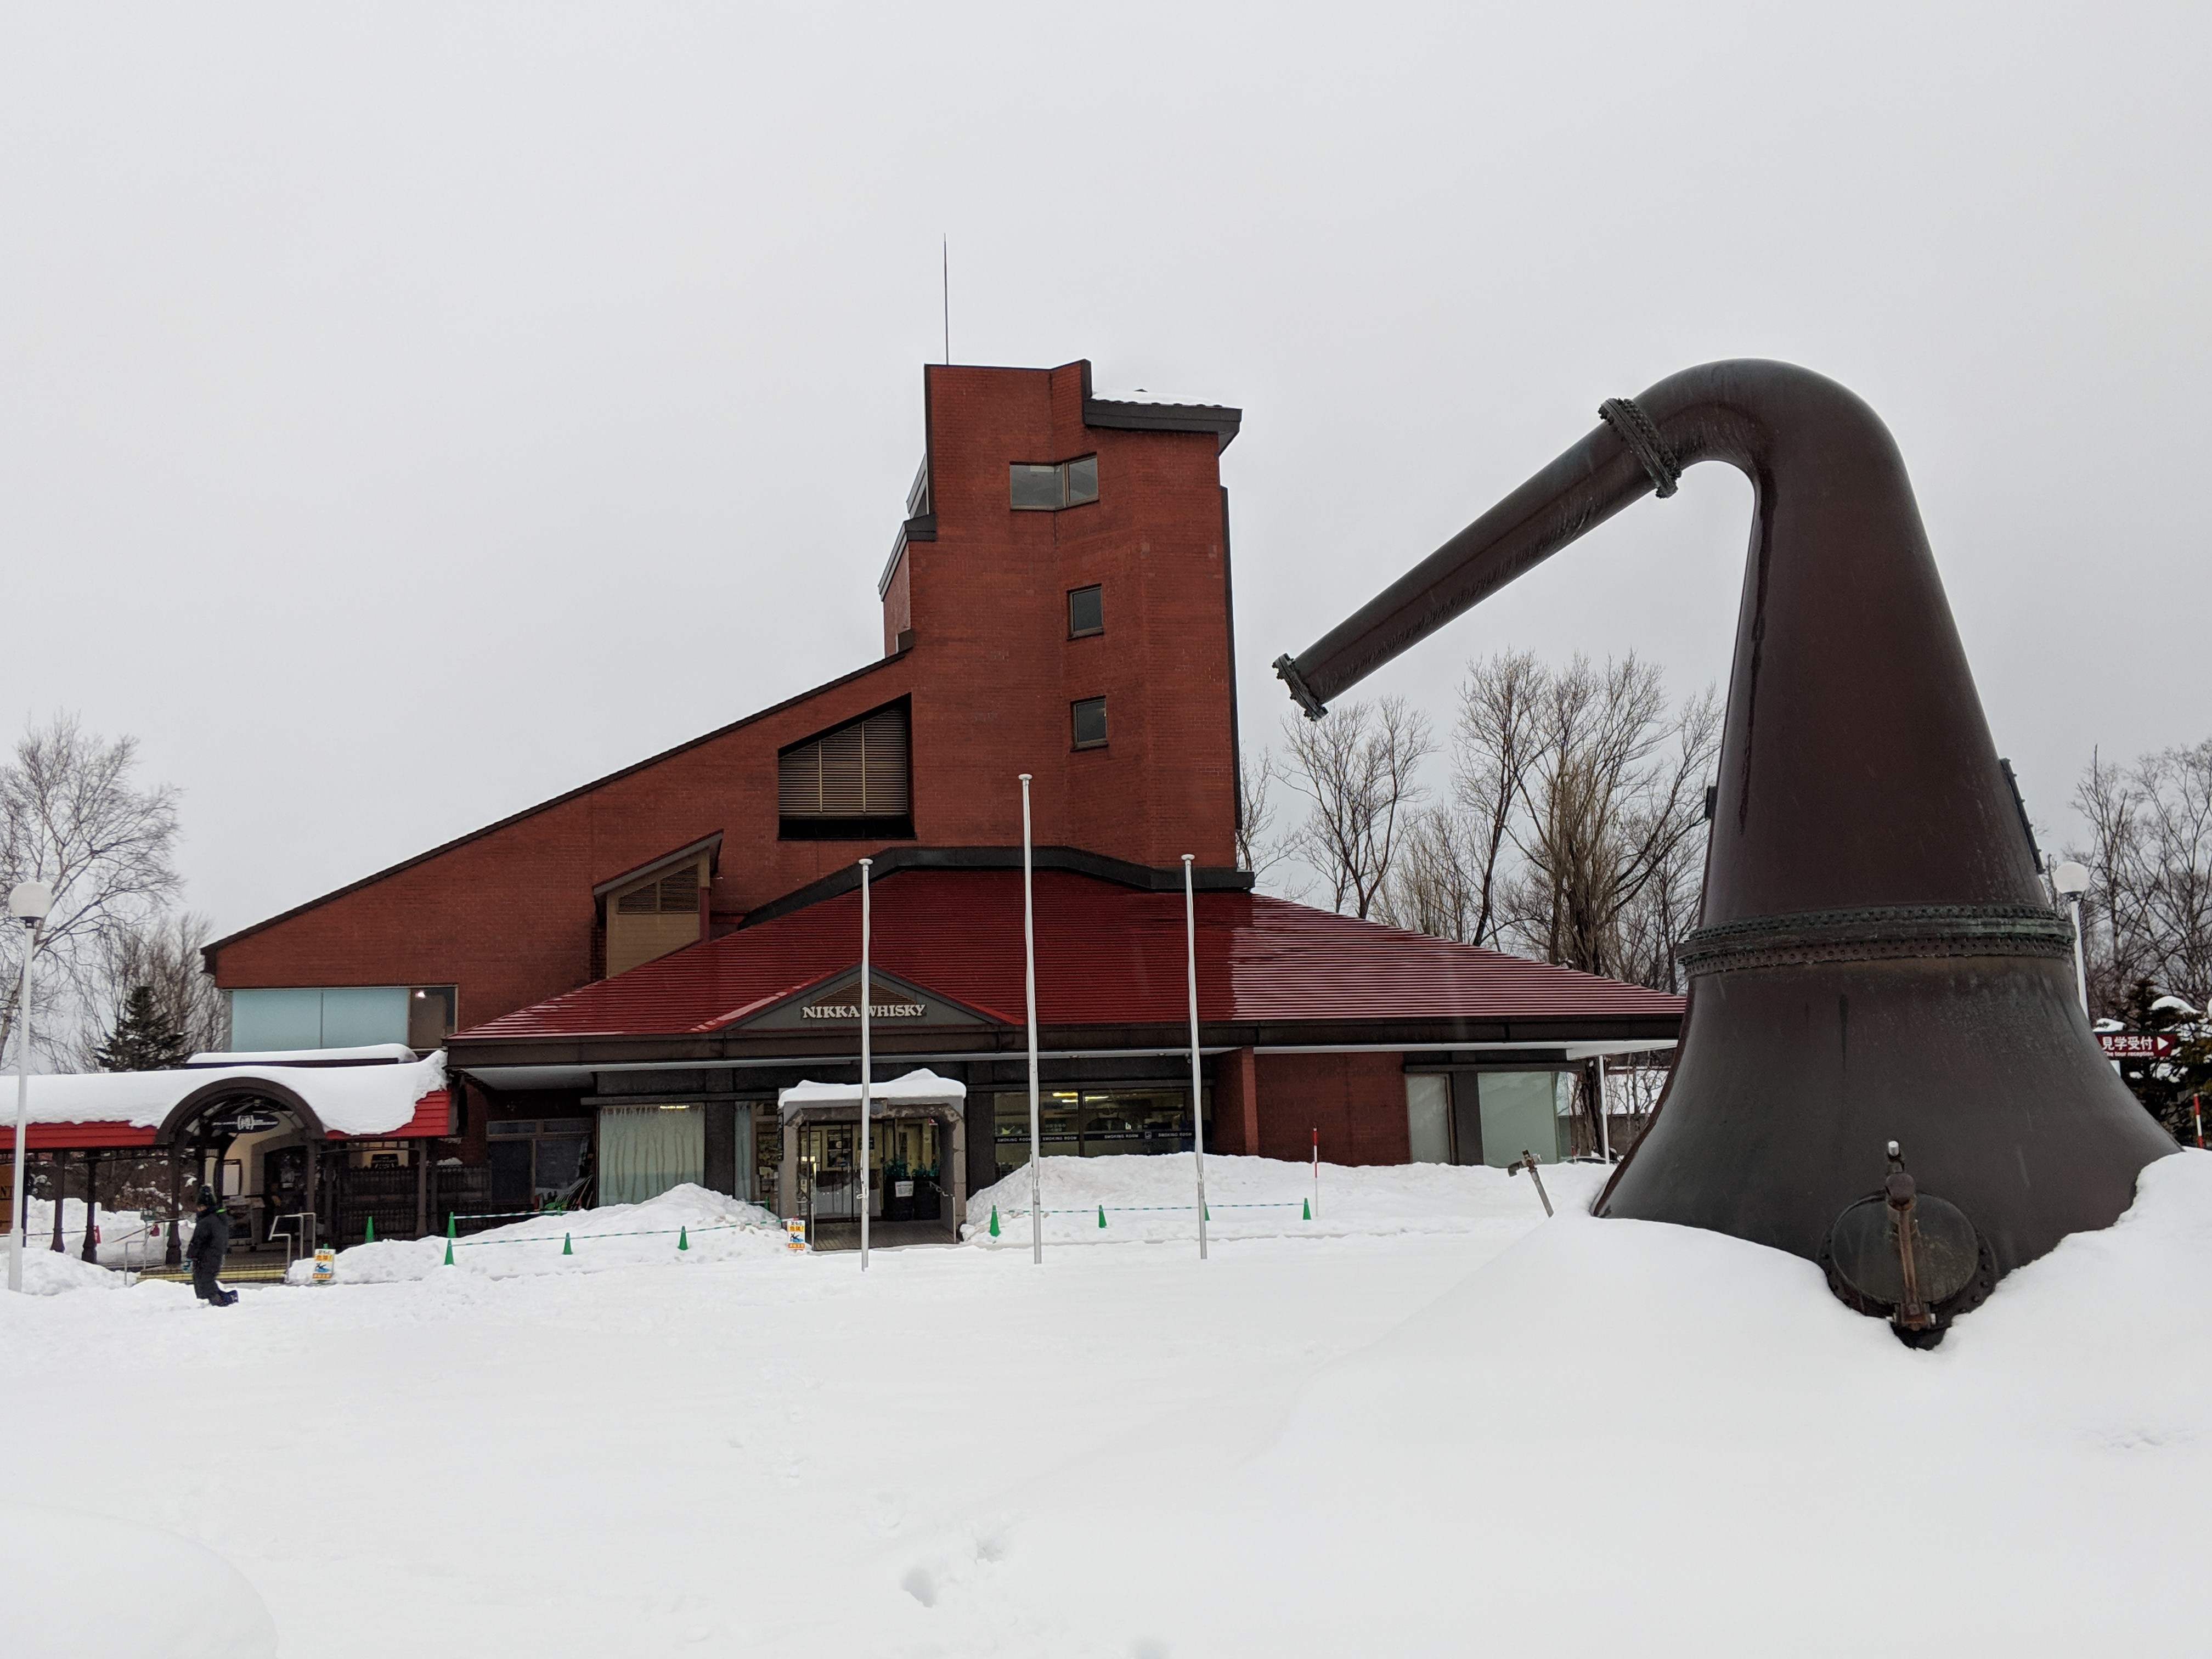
(828, 1154)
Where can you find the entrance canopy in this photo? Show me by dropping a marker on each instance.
(380, 1092)
(918, 1094)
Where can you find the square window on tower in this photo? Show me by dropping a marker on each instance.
(1034, 487)
(1089, 722)
(1086, 611)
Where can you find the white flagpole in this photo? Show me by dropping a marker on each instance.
(1029, 955)
(1197, 1089)
(866, 1073)
(19, 1196)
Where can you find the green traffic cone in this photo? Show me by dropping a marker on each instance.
(683, 1238)
(567, 1249)
(449, 1250)
(449, 1224)
(1306, 1205)
(1101, 1215)
(995, 1221)
(1209, 1213)
(368, 1232)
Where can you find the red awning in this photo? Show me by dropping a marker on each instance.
(77, 1137)
(433, 1118)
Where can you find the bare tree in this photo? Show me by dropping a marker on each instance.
(1615, 798)
(71, 817)
(2148, 915)
(163, 955)
(1495, 742)
(1670, 837)
(1356, 765)
(1439, 881)
(1259, 849)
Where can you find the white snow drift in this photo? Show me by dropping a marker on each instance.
(1465, 1430)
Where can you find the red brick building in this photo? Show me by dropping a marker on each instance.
(1058, 602)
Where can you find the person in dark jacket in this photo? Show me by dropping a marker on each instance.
(210, 1243)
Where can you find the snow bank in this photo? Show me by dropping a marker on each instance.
(1626, 1437)
(46, 1273)
(1154, 1200)
(92, 1583)
(123, 1239)
(716, 1227)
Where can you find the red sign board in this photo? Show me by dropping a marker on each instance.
(2134, 1045)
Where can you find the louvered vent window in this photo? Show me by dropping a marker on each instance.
(849, 784)
(676, 894)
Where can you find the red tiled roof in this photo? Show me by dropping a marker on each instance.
(1107, 954)
(433, 1118)
(78, 1137)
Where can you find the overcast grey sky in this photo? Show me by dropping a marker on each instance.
(408, 412)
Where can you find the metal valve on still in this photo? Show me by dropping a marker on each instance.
(1911, 1314)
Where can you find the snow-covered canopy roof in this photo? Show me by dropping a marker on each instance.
(355, 1099)
(915, 1093)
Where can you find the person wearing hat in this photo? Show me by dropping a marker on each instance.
(210, 1243)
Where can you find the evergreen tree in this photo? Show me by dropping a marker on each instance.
(145, 1039)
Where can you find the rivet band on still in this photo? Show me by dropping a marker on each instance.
(1641, 435)
(1875, 934)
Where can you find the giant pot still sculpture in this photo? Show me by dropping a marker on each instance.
(1877, 960)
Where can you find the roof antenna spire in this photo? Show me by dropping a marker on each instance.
(946, 250)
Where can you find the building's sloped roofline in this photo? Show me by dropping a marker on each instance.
(1108, 954)
(208, 951)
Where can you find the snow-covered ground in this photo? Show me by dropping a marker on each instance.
(1456, 1429)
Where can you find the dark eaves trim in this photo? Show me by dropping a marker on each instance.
(921, 528)
(1114, 416)
(711, 845)
(893, 860)
(208, 951)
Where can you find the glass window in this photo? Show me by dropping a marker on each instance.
(1086, 611)
(1428, 1133)
(1089, 719)
(1094, 1123)
(273, 1021)
(429, 1017)
(341, 1017)
(1036, 488)
(1520, 1113)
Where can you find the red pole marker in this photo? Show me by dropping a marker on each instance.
(1316, 1171)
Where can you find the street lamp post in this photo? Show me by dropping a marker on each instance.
(2073, 880)
(867, 1071)
(1197, 1085)
(29, 904)
(1029, 978)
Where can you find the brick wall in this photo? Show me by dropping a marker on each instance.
(1358, 1102)
(509, 916)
